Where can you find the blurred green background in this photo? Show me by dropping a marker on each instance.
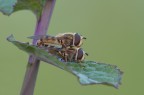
(115, 35)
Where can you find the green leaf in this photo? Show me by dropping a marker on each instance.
(89, 72)
(9, 6)
(6, 6)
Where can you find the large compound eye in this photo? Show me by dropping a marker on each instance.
(80, 54)
(77, 39)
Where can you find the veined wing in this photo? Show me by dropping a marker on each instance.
(37, 37)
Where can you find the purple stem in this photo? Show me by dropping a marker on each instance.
(33, 63)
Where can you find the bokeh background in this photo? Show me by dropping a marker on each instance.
(115, 35)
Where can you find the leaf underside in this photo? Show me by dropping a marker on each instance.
(89, 72)
(9, 6)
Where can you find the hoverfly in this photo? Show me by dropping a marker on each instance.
(72, 54)
(64, 40)
(65, 46)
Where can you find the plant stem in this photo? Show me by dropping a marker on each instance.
(33, 63)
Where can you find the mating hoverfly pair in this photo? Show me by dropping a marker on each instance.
(65, 46)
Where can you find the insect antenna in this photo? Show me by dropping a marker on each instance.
(86, 54)
(84, 38)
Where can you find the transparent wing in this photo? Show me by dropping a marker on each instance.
(38, 37)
